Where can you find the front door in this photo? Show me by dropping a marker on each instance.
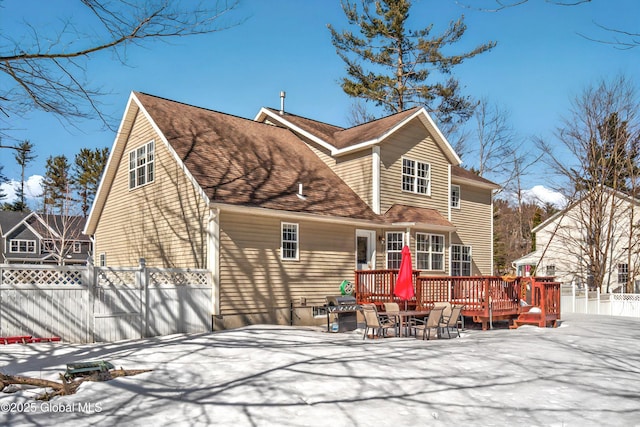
(365, 249)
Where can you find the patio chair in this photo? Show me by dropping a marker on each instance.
(447, 308)
(452, 320)
(432, 322)
(374, 323)
(391, 310)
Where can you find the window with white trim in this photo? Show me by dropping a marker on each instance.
(455, 196)
(48, 246)
(77, 247)
(102, 259)
(416, 176)
(429, 251)
(141, 165)
(460, 260)
(19, 245)
(550, 270)
(395, 243)
(623, 273)
(289, 243)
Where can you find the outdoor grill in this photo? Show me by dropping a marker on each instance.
(344, 310)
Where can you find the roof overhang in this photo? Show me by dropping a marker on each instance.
(252, 210)
(422, 114)
(424, 225)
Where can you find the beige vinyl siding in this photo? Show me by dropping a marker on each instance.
(473, 222)
(354, 169)
(255, 282)
(162, 221)
(413, 142)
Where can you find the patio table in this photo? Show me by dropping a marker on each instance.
(404, 316)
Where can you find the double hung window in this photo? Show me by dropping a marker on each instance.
(141, 165)
(416, 176)
(429, 251)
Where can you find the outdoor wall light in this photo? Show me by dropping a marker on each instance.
(381, 240)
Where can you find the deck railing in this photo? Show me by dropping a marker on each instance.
(377, 286)
(485, 298)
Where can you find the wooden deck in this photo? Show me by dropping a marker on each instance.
(485, 298)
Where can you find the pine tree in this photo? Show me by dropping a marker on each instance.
(87, 170)
(56, 185)
(411, 57)
(23, 157)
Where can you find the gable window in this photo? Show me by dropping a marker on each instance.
(429, 251)
(48, 246)
(289, 243)
(141, 165)
(455, 196)
(18, 245)
(623, 273)
(395, 243)
(460, 260)
(416, 176)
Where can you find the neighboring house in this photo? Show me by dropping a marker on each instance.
(562, 245)
(282, 208)
(32, 238)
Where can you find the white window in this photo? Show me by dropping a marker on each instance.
(395, 243)
(48, 246)
(416, 176)
(18, 245)
(623, 273)
(289, 244)
(551, 270)
(77, 247)
(429, 251)
(460, 260)
(141, 165)
(455, 196)
(102, 260)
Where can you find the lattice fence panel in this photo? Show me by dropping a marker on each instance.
(21, 276)
(116, 277)
(178, 278)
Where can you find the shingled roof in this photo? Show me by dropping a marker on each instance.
(242, 162)
(346, 137)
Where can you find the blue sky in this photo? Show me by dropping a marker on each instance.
(540, 63)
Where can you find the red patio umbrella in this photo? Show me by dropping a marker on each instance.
(404, 284)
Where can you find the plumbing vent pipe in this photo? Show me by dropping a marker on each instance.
(282, 96)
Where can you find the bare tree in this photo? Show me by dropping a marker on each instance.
(619, 38)
(495, 139)
(599, 163)
(44, 68)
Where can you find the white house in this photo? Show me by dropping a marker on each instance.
(565, 248)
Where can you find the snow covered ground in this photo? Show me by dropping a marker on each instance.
(584, 373)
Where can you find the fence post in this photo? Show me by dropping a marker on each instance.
(143, 286)
(91, 278)
(598, 299)
(586, 299)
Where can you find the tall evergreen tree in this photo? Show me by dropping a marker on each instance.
(56, 185)
(23, 157)
(3, 179)
(413, 59)
(87, 170)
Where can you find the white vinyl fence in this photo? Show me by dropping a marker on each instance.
(579, 301)
(100, 304)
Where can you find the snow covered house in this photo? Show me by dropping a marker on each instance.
(281, 209)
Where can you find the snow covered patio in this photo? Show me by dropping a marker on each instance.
(585, 372)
